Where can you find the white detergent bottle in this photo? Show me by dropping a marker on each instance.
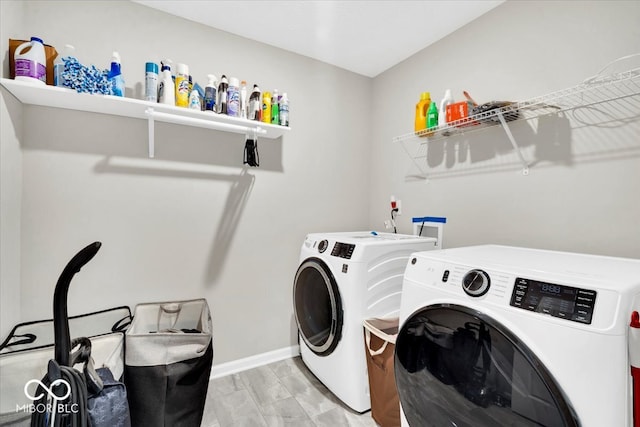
(447, 100)
(31, 62)
(166, 88)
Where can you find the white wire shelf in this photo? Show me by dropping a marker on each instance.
(620, 91)
(621, 88)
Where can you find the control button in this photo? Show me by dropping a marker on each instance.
(445, 276)
(322, 246)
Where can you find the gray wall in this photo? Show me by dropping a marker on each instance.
(581, 193)
(192, 222)
(10, 184)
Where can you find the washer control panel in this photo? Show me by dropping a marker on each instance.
(343, 250)
(561, 301)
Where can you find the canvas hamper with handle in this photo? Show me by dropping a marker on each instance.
(168, 358)
(380, 338)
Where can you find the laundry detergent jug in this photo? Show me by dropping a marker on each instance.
(31, 62)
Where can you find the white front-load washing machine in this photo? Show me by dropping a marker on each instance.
(503, 336)
(343, 279)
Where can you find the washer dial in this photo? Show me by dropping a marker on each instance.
(476, 283)
(322, 246)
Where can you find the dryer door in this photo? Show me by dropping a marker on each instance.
(455, 366)
(317, 306)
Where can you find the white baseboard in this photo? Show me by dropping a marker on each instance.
(235, 366)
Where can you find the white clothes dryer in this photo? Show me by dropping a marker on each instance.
(496, 336)
(343, 279)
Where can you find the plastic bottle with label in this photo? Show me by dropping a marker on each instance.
(210, 94)
(182, 85)
(266, 107)
(151, 82)
(432, 116)
(166, 88)
(442, 113)
(233, 98)
(194, 101)
(243, 99)
(275, 107)
(255, 104)
(115, 76)
(284, 110)
(421, 112)
(222, 95)
(58, 65)
(31, 62)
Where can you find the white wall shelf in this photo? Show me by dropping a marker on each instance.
(620, 90)
(50, 96)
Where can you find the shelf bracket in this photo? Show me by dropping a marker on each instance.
(151, 131)
(507, 130)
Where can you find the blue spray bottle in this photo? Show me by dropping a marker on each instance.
(115, 76)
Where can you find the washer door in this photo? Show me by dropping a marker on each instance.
(458, 367)
(317, 306)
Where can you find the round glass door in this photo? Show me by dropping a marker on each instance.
(458, 367)
(317, 306)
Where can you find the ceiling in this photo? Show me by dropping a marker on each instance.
(366, 37)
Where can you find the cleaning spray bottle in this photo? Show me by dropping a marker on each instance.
(266, 107)
(182, 85)
(275, 107)
(233, 97)
(222, 95)
(115, 76)
(284, 110)
(210, 94)
(255, 106)
(166, 89)
(243, 99)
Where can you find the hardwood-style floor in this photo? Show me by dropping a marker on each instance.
(283, 393)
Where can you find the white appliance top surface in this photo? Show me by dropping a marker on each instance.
(617, 273)
(369, 237)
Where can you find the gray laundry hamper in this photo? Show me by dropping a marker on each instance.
(168, 358)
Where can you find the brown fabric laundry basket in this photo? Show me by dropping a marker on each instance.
(380, 342)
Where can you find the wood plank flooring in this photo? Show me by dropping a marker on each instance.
(281, 394)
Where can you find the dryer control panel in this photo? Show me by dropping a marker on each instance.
(561, 301)
(343, 250)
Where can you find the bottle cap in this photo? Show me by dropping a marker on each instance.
(212, 79)
(151, 67)
(37, 39)
(115, 57)
(183, 69)
(425, 96)
(243, 82)
(233, 82)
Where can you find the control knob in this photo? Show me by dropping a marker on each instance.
(476, 283)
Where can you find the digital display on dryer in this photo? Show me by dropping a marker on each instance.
(343, 250)
(565, 302)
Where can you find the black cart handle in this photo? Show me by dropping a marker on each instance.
(62, 340)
